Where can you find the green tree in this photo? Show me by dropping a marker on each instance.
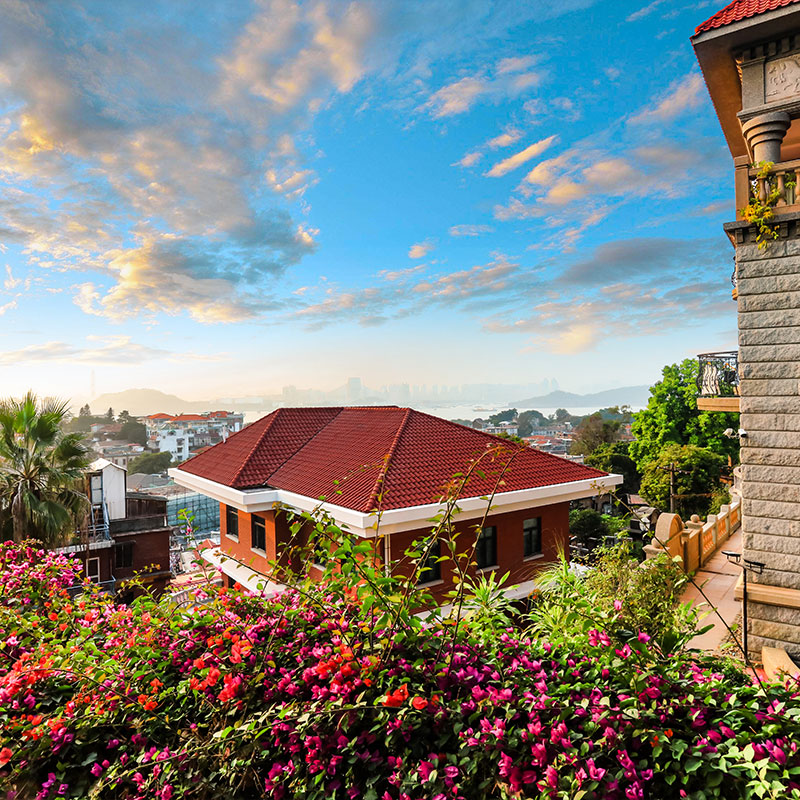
(672, 417)
(509, 415)
(588, 526)
(150, 463)
(133, 431)
(41, 468)
(615, 457)
(697, 483)
(85, 411)
(110, 415)
(124, 417)
(592, 431)
(528, 420)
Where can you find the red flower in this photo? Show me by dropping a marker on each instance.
(5, 756)
(420, 703)
(397, 697)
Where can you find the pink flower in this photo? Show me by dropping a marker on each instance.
(643, 637)
(618, 605)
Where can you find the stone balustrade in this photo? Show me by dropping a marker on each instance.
(694, 541)
(785, 177)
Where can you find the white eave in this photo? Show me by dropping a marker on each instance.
(241, 573)
(397, 519)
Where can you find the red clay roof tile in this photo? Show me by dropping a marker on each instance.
(739, 10)
(376, 458)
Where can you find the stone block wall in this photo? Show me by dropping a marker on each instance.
(769, 368)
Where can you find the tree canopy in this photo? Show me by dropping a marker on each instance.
(697, 479)
(41, 468)
(672, 417)
(150, 463)
(593, 431)
(615, 457)
(509, 415)
(133, 431)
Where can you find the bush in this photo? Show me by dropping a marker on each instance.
(313, 694)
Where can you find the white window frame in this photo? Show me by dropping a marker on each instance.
(92, 575)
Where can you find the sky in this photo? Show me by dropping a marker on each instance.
(215, 198)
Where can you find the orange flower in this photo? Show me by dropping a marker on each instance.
(420, 703)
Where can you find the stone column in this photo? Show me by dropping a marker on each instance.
(764, 135)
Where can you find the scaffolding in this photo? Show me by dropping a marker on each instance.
(203, 509)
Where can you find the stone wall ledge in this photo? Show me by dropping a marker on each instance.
(769, 596)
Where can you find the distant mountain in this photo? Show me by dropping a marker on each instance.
(636, 396)
(139, 402)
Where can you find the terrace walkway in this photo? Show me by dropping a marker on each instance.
(718, 580)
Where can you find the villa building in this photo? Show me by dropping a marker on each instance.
(183, 434)
(749, 53)
(383, 473)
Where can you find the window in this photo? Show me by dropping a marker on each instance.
(432, 568)
(93, 569)
(532, 537)
(123, 555)
(258, 534)
(486, 549)
(232, 522)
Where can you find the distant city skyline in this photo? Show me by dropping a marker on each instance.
(215, 197)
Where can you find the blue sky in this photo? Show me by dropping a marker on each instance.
(216, 198)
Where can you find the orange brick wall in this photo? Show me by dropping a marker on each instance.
(555, 536)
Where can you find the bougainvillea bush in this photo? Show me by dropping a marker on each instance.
(313, 694)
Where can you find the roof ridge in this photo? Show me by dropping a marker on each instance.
(388, 457)
(308, 441)
(491, 436)
(259, 439)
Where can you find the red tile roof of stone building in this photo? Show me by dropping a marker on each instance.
(376, 458)
(741, 9)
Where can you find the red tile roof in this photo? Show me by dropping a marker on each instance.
(741, 9)
(375, 458)
(160, 416)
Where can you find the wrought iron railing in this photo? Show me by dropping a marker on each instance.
(718, 374)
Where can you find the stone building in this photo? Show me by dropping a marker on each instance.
(749, 53)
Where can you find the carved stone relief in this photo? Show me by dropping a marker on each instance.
(783, 79)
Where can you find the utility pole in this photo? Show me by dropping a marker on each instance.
(673, 471)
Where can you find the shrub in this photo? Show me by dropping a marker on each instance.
(304, 695)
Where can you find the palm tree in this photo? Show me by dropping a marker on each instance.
(41, 468)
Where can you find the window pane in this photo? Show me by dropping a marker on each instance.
(232, 522)
(258, 534)
(486, 551)
(532, 535)
(123, 555)
(432, 569)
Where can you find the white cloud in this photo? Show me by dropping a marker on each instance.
(107, 350)
(469, 230)
(505, 139)
(421, 249)
(518, 159)
(516, 64)
(469, 160)
(456, 97)
(644, 11)
(684, 95)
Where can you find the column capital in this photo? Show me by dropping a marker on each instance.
(765, 133)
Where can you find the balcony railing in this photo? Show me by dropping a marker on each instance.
(718, 374)
(785, 178)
